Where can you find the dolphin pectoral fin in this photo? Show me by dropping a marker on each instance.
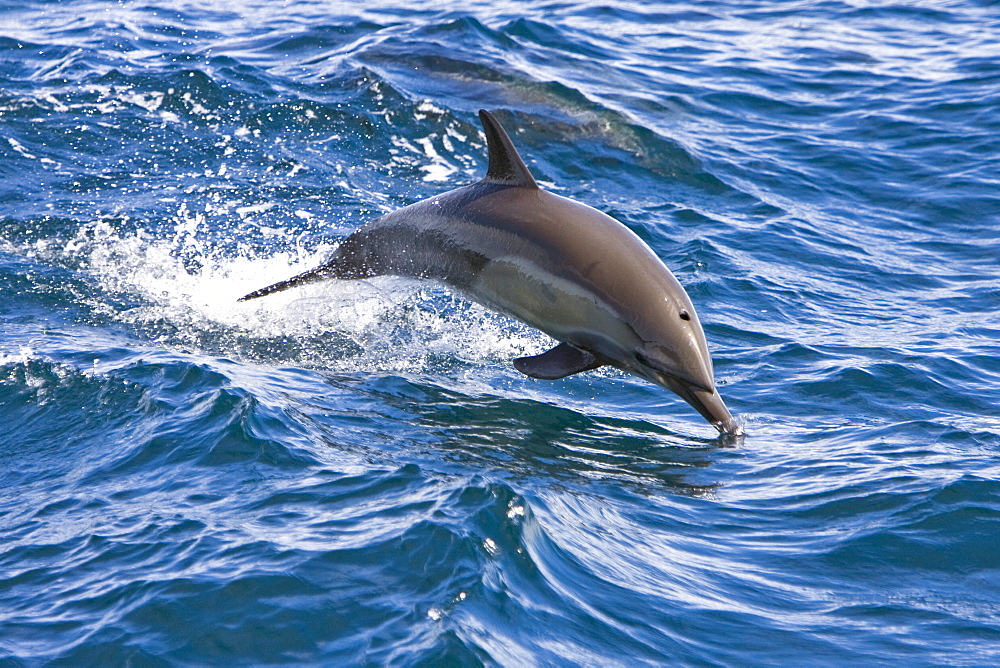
(559, 362)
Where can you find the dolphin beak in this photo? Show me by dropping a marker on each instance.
(699, 392)
(712, 408)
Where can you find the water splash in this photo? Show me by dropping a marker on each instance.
(180, 291)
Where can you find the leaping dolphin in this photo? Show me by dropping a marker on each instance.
(557, 265)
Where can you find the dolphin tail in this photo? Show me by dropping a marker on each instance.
(313, 275)
(351, 261)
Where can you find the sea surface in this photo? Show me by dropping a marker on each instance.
(353, 473)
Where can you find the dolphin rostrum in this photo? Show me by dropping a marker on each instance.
(558, 265)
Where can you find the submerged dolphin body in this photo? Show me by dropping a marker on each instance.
(560, 266)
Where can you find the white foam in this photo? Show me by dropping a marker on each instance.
(255, 208)
(19, 147)
(439, 169)
(149, 101)
(427, 107)
(23, 356)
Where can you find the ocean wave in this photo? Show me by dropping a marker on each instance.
(354, 473)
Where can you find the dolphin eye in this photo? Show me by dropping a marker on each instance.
(684, 315)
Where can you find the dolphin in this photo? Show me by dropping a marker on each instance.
(557, 265)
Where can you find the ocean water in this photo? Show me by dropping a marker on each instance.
(352, 473)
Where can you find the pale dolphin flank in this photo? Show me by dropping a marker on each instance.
(560, 266)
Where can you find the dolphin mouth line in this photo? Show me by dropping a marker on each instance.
(691, 383)
(662, 376)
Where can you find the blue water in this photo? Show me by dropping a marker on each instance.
(354, 473)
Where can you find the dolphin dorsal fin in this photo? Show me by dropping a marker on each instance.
(506, 165)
